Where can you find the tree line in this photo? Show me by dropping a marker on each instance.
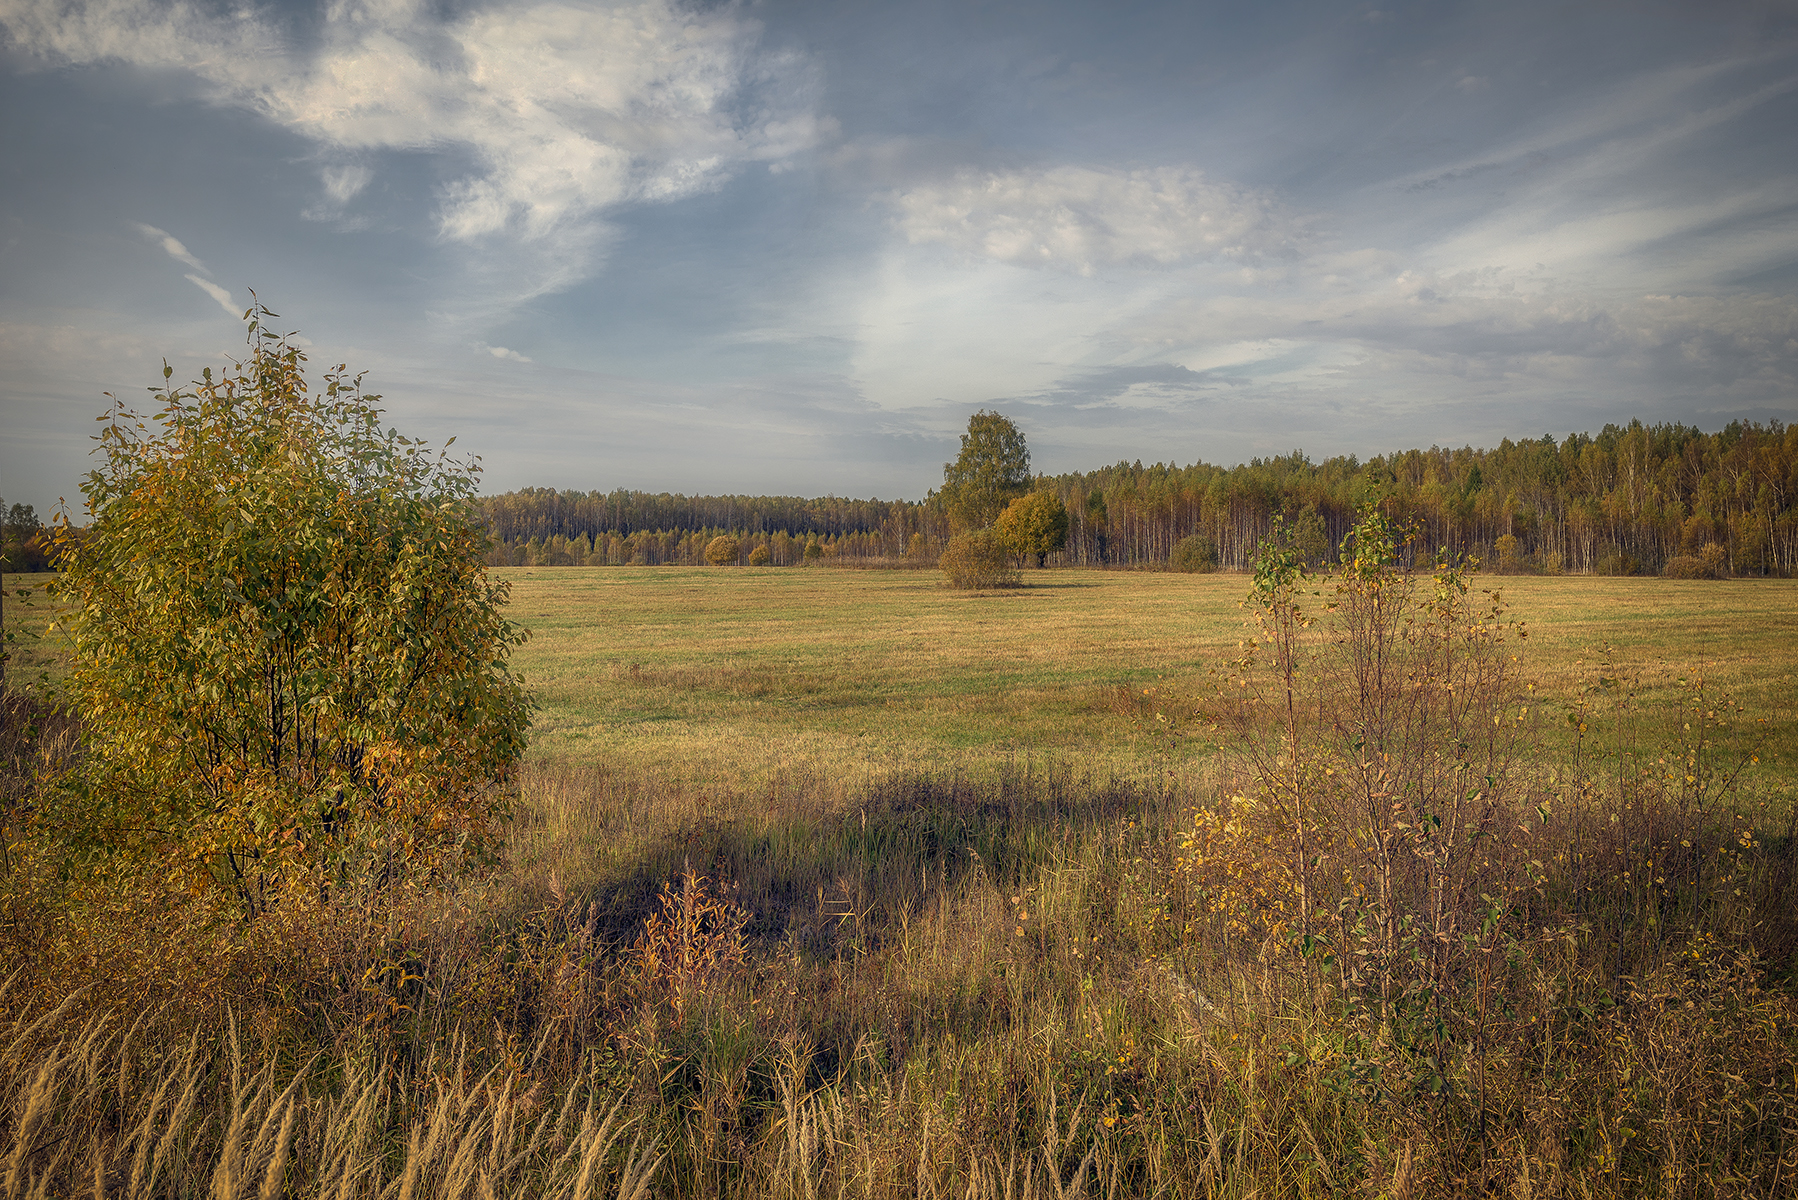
(1631, 498)
(543, 513)
(24, 542)
(688, 548)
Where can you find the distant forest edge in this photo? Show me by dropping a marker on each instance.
(1630, 499)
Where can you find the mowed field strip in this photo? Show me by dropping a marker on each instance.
(717, 674)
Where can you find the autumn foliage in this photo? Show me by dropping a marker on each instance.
(1034, 525)
(722, 551)
(288, 660)
(978, 560)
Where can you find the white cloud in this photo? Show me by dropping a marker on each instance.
(567, 108)
(231, 307)
(1080, 219)
(1415, 328)
(171, 245)
(503, 353)
(342, 184)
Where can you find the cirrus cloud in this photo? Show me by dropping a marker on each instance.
(171, 245)
(1078, 218)
(231, 307)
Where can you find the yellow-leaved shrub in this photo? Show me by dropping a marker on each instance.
(288, 660)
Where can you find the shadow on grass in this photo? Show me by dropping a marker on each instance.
(819, 864)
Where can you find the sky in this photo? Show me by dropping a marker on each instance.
(787, 247)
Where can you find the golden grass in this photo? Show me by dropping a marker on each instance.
(719, 674)
(98, 1110)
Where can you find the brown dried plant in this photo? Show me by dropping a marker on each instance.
(694, 936)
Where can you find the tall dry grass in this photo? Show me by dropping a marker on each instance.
(1008, 989)
(98, 1108)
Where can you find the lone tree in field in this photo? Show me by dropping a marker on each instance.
(288, 658)
(1034, 524)
(723, 551)
(993, 467)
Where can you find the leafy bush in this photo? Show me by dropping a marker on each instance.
(286, 653)
(759, 556)
(1712, 562)
(24, 542)
(723, 551)
(1194, 555)
(1715, 559)
(978, 560)
(1396, 859)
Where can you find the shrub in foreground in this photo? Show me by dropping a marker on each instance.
(287, 658)
(978, 560)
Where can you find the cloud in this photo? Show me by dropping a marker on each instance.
(232, 309)
(179, 253)
(343, 183)
(1486, 328)
(170, 244)
(502, 352)
(1080, 219)
(1151, 385)
(566, 109)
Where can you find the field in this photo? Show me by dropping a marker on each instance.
(711, 676)
(838, 883)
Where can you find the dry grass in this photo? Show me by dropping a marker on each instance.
(98, 1109)
(717, 675)
(953, 988)
(857, 887)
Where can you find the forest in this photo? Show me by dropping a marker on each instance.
(1634, 499)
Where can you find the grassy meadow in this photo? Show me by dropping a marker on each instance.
(839, 883)
(712, 675)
